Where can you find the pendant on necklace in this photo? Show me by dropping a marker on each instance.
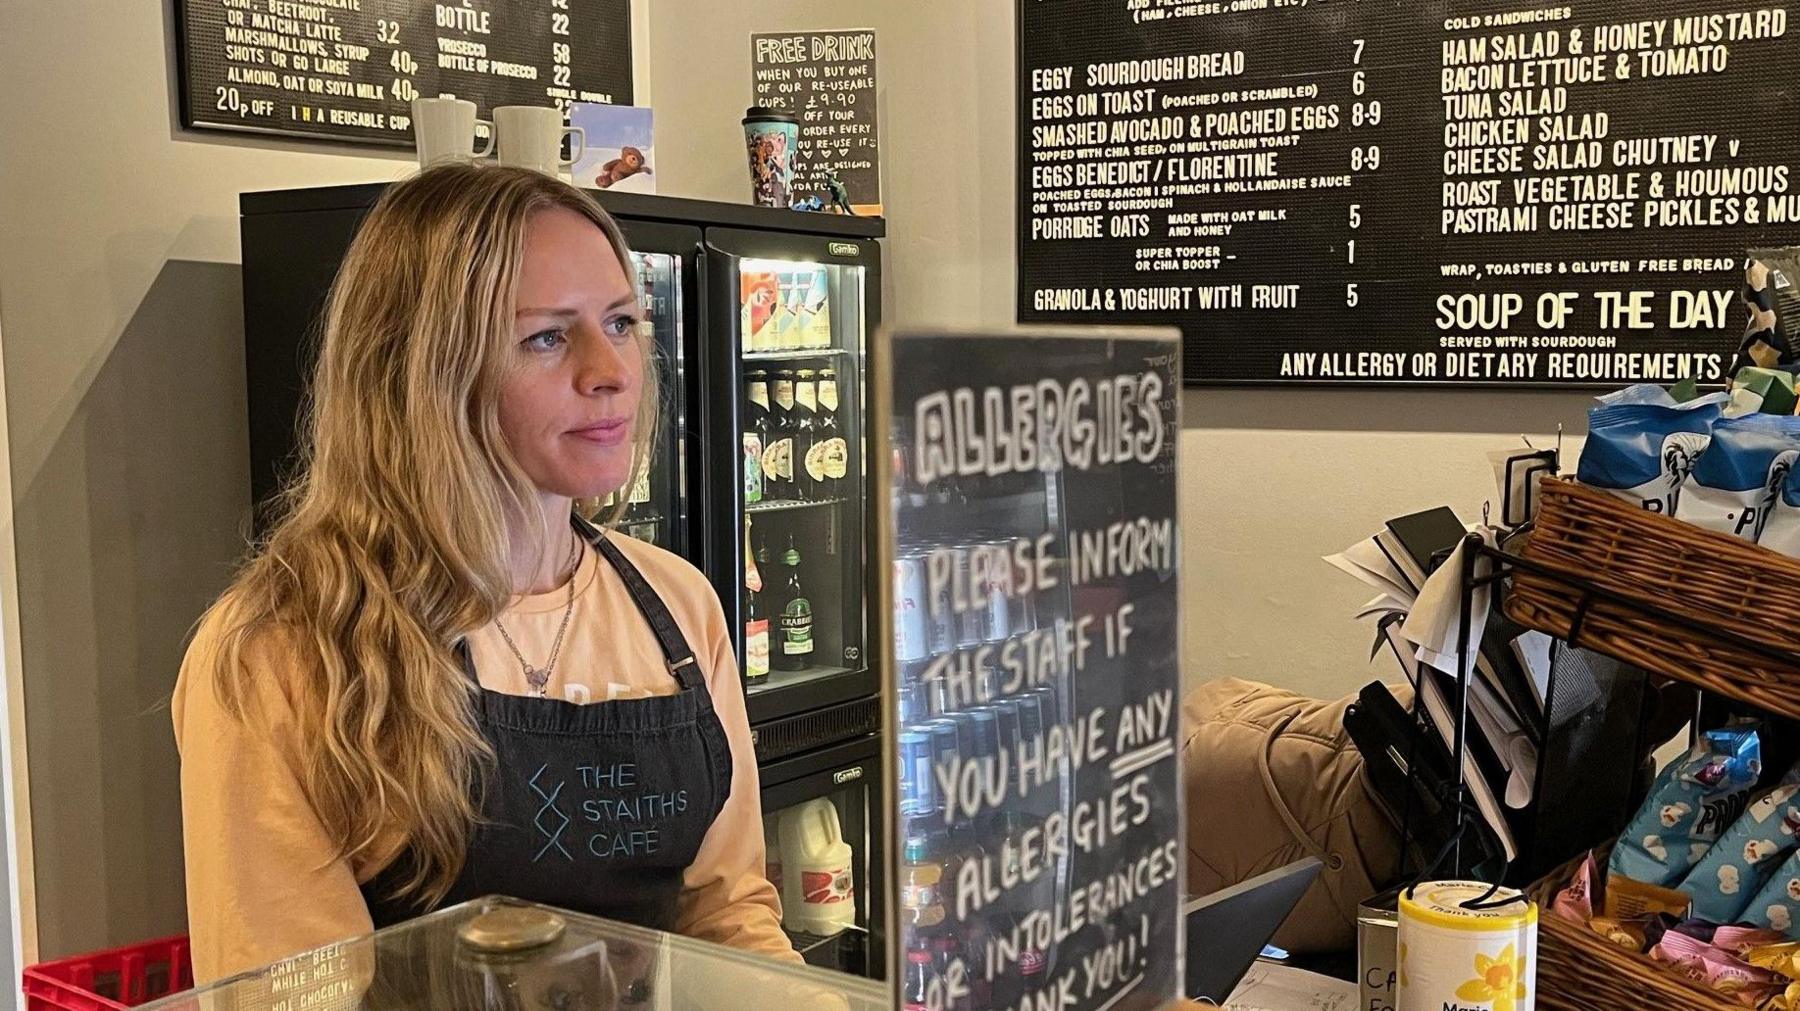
(536, 678)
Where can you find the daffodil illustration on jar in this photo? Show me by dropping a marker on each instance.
(1466, 946)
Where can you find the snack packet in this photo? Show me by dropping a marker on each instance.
(1691, 804)
(1741, 941)
(1737, 480)
(1775, 957)
(1777, 904)
(1716, 968)
(1782, 531)
(1644, 453)
(1734, 870)
(1627, 934)
(1770, 391)
(1578, 898)
(1773, 299)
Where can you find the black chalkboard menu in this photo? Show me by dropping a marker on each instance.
(349, 69)
(826, 80)
(1030, 524)
(1395, 191)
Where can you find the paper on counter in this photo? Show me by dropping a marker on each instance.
(1271, 986)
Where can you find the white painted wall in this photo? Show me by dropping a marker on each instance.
(1273, 478)
(124, 390)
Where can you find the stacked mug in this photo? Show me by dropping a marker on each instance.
(527, 136)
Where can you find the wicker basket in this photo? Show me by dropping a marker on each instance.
(1578, 970)
(1717, 581)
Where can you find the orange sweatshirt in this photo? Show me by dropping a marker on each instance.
(263, 882)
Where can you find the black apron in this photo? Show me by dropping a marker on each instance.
(597, 808)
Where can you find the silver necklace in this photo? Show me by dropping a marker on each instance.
(539, 677)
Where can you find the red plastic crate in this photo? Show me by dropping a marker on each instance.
(109, 980)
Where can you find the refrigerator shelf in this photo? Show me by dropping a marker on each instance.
(790, 678)
(795, 354)
(784, 506)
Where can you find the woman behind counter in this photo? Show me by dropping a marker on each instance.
(433, 682)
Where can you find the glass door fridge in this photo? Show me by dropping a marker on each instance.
(786, 439)
(666, 260)
(823, 837)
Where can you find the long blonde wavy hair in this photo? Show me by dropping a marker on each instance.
(390, 543)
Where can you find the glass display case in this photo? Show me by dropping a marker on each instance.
(503, 955)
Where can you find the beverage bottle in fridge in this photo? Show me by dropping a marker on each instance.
(796, 616)
(806, 431)
(756, 618)
(791, 328)
(779, 479)
(921, 885)
(756, 433)
(818, 310)
(921, 986)
(828, 461)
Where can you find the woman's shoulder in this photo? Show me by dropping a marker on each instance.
(686, 591)
(266, 656)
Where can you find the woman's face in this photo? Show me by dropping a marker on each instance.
(569, 401)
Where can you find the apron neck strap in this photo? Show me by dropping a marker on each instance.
(675, 649)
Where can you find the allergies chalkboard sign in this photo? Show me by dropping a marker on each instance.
(1457, 192)
(349, 69)
(1030, 527)
(827, 81)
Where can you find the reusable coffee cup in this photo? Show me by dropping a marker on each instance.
(444, 130)
(532, 137)
(772, 139)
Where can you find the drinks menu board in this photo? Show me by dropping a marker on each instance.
(349, 69)
(1033, 537)
(1447, 192)
(826, 80)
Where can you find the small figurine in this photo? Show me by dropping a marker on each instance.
(840, 197)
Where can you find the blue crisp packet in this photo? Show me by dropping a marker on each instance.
(1739, 477)
(1777, 905)
(1694, 800)
(1782, 532)
(1738, 865)
(1643, 453)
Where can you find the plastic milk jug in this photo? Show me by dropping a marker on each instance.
(817, 893)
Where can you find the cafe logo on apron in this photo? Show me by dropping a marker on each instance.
(552, 835)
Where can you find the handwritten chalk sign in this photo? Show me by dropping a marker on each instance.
(1033, 541)
(827, 81)
(348, 69)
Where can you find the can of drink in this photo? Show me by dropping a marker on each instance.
(940, 620)
(1007, 716)
(1031, 714)
(910, 641)
(998, 557)
(937, 691)
(944, 747)
(918, 794)
(987, 681)
(965, 733)
(914, 705)
(987, 732)
(971, 623)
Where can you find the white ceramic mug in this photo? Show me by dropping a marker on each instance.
(444, 130)
(531, 137)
